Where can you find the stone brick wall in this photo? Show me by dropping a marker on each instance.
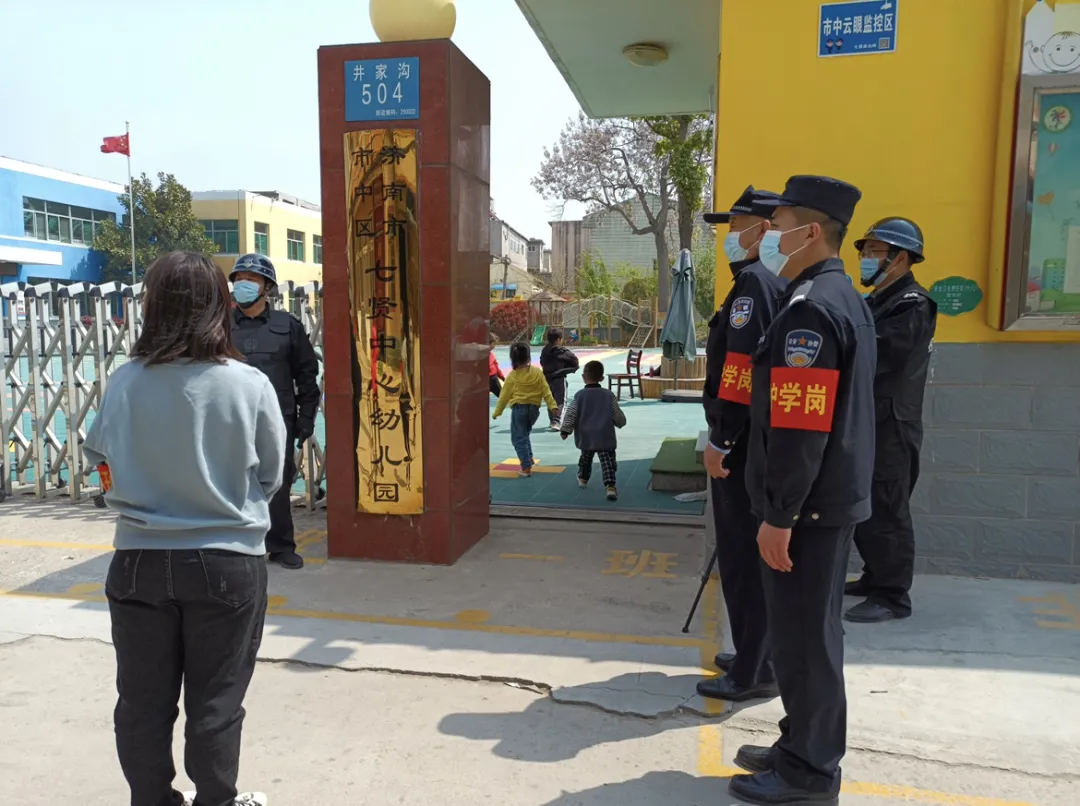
(999, 494)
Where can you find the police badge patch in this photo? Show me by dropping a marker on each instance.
(741, 309)
(801, 348)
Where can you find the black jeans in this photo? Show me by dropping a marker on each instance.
(281, 538)
(191, 617)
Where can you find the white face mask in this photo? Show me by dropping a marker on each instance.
(733, 249)
(770, 254)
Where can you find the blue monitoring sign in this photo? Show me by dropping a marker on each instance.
(382, 89)
(858, 28)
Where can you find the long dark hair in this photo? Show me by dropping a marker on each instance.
(187, 312)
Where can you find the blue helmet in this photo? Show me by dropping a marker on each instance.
(256, 264)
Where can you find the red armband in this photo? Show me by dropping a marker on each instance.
(803, 399)
(735, 380)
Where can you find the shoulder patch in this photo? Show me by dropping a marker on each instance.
(741, 311)
(801, 348)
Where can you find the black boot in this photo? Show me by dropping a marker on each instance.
(769, 789)
(756, 758)
(724, 688)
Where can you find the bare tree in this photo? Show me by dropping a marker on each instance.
(608, 165)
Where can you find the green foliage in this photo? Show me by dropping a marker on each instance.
(164, 222)
(592, 278)
(705, 272)
(637, 285)
(685, 142)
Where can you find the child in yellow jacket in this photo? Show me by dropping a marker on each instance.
(524, 390)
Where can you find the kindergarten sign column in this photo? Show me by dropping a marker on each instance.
(384, 283)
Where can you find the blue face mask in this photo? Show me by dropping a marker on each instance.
(871, 269)
(246, 292)
(769, 252)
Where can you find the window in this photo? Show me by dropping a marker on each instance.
(316, 249)
(224, 233)
(51, 221)
(262, 239)
(295, 239)
(532, 247)
(1042, 290)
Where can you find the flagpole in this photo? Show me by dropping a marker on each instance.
(131, 200)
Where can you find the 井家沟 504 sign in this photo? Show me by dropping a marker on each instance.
(382, 90)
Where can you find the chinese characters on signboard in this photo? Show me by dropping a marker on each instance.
(382, 90)
(384, 281)
(857, 28)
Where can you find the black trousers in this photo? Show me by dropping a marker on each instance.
(886, 542)
(740, 578)
(807, 641)
(281, 537)
(558, 391)
(190, 617)
(494, 385)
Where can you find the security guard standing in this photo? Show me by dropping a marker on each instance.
(276, 343)
(808, 475)
(734, 333)
(906, 318)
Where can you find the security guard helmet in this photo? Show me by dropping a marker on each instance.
(900, 233)
(256, 264)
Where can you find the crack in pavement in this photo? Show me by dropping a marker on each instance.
(742, 723)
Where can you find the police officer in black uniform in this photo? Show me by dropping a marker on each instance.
(906, 318)
(734, 333)
(276, 343)
(808, 475)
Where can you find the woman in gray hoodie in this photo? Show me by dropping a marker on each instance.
(195, 445)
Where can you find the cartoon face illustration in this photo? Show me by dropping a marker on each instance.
(1059, 54)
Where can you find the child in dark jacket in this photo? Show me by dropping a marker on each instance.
(592, 418)
(557, 362)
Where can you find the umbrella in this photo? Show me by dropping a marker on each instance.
(679, 338)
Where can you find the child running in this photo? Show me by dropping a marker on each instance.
(524, 390)
(557, 362)
(592, 418)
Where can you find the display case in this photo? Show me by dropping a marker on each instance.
(1043, 263)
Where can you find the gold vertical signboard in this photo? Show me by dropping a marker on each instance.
(381, 167)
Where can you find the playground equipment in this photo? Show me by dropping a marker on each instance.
(60, 344)
(581, 314)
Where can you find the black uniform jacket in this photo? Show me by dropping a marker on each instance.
(276, 343)
(734, 333)
(812, 412)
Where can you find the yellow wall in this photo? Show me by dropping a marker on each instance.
(925, 132)
(279, 217)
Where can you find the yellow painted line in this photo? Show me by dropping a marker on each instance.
(52, 544)
(551, 558)
(102, 548)
(396, 621)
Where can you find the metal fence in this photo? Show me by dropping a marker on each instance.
(60, 345)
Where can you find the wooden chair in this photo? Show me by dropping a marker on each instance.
(630, 378)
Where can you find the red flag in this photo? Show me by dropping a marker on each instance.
(116, 145)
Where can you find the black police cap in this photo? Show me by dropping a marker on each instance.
(903, 233)
(749, 203)
(834, 198)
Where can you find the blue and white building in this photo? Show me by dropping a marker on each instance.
(48, 219)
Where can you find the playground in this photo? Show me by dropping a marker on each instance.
(554, 486)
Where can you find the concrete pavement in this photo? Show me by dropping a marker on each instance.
(547, 667)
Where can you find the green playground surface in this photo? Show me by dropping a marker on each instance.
(554, 481)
